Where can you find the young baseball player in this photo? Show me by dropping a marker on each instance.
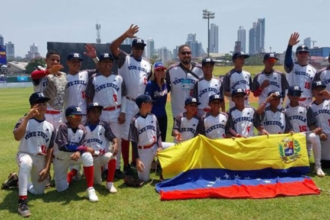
(36, 136)
(303, 120)
(237, 78)
(207, 86)
(99, 136)
(187, 125)
(215, 121)
(109, 90)
(135, 71)
(71, 150)
(145, 136)
(242, 119)
(273, 119)
(323, 75)
(269, 80)
(321, 111)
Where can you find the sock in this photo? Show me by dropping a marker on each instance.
(71, 174)
(133, 157)
(89, 174)
(125, 151)
(22, 197)
(111, 170)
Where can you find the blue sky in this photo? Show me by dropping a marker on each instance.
(167, 22)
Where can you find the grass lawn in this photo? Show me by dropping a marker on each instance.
(132, 203)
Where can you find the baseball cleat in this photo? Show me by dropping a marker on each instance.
(92, 195)
(23, 208)
(109, 186)
(319, 172)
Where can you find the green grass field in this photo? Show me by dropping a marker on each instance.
(132, 203)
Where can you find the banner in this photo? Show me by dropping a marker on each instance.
(256, 167)
(3, 58)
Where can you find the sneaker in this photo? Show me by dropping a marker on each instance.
(109, 186)
(319, 172)
(119, 174)
(23, 208)
(92, 195)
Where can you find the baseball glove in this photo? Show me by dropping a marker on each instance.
(133, 182)
(11, 182)
(55, 90)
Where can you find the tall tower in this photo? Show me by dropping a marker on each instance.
(98, 34)
(2, 42)
(150, 48)
(241, 36)
(214, 38)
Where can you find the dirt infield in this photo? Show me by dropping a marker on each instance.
(251, 98)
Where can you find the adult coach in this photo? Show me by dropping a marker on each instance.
(181, 78)
(299, 73)
(135, 71)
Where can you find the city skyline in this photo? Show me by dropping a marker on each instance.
(241, 36)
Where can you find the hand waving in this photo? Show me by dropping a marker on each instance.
(132, 30)
(294, 39)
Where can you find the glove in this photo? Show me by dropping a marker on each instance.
(133, 182)
(55, 90)
(11, 182)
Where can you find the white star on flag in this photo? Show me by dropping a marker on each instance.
(226, 176)
(267, 181)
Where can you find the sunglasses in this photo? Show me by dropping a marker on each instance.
(139, 48)
(75, 116)
(185, 53)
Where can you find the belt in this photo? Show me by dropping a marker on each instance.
(53, 112)
(146, 147)
(206, 110)
(111, 108)
(129, 98)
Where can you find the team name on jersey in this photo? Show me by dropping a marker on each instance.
(188, 130)
(327, 81)
(176, 81)
(76, 82)
(274, 84)
(36, 134)
(274, 123)
(149, 127)
(214, 127)
(137, 68)
(297, 117)
(201, 93)
(302, 73)
(242, 119)
(238, 83)
(94, 140)
(322, 111)
(107, 85)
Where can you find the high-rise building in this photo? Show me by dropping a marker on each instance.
(2, 41)
(33, 52)
(164, 55)
(241, 36)
(257, 37)
(308, 42)
(214, 39)
(238, 46)
(10, 50)
(195, 46)
(150, 48)
(252, 39)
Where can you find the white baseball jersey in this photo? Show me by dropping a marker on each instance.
(144, 130)
(243, 122)
(274, 122)
(215, 127)
(277, 82)
(38, 137)
(134, 72)
(204, 89)
(324, 76)
(180, 82)
(100, 137)
(68, 136)
(322, 115)
(300, 118)
(188, 128)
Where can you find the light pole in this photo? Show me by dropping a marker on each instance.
(208, 15)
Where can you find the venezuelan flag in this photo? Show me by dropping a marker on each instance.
(256, 167)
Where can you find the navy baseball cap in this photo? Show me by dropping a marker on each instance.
(143, 98)
(238, 91)
(138, 41)
(74, 56)
(215, 97)
(240, 54)
(317, 84)
(294, 90)
(94, 105)
(73, 110)
(105, 56)
(276, 93)
(159, 65)
(302, 48)
(270, 56)
(191, 100)
(207, 60)
(38, 97)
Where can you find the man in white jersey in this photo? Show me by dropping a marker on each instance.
(269, 80)
(237, 78)
(324, 75)
(181, 78)
(108, 90)
(207, 86)
(299, 73)
(135, 71)
(36, 136)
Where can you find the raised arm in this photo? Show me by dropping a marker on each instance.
(130, 33)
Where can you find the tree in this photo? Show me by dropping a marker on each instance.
(33, 64)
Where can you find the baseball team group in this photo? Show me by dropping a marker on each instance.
(89, 118)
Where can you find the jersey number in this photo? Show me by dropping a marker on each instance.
(114, 97)
(43, 149)
(307, 85)
(302, 128)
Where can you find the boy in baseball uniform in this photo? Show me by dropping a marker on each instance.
(36, 136)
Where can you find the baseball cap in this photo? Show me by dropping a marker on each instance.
(270, 55)
(74, 56)
(302, 48)
(207, 60)
(317, 84)
(159, 65)
(138, 41)
(238, 91)
(215, 97)
(277, 94)
(240, 54)
(38, 97)
(105, 56)
(143, 98)
(191, 100)
(94, 105)
(294, 90)
(73, 110)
